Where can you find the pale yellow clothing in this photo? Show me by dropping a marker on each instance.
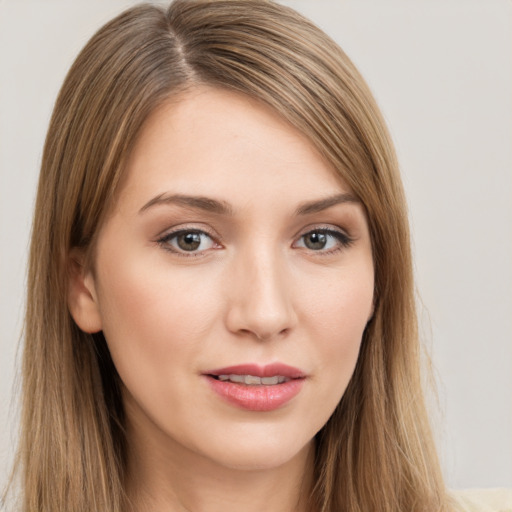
(484, 500)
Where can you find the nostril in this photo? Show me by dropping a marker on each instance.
(261, 314)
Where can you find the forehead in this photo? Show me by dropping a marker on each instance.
(216, 142)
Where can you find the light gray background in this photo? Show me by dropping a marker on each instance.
(442, 72)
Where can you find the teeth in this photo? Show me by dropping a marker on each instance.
(252, 380)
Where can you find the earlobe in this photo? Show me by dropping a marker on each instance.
(82, 299)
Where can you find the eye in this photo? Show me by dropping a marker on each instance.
(187, 241)
(324, 240)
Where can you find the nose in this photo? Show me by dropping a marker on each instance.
(260, 297)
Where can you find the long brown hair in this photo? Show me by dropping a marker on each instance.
(376, 451)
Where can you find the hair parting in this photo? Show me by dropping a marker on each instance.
(376, 452)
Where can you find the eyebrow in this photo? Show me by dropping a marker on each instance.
(197, 202)
(223, 208)
(324, 204)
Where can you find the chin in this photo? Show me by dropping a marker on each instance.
(259, 453)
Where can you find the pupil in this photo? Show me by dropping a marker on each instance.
(316, 241)
(189, 241)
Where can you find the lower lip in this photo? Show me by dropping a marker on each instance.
(256, 398)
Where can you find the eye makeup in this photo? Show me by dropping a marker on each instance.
(194, 242)
(324, 241)
(189, 241)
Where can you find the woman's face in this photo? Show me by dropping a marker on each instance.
(233, 254)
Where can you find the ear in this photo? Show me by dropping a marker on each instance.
(82, 299)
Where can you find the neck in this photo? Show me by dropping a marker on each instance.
(167, 477)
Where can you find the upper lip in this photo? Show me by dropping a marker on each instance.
(268, 370)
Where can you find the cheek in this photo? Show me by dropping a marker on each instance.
(339, 316)
(341, 306)
(153, 319)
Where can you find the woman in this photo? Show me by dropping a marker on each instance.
(220, 308)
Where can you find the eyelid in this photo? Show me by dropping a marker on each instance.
(345, 240)
(165, 236)
(198, 227)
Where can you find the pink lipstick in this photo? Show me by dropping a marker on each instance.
(256, 388)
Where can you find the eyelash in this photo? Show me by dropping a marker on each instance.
(344, 241)
(165, 240)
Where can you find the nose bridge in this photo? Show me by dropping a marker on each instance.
(262, 300)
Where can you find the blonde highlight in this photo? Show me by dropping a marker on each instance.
(376, 452)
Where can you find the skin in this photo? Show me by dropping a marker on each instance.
(256, 290)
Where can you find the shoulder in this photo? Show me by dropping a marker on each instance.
(483, 500)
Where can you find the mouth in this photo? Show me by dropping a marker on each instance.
(251, 380)
(256, 388)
